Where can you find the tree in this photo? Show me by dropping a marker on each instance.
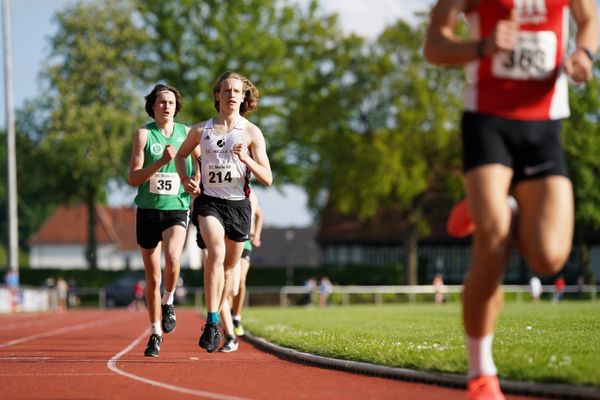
(90, 105)
(280, 46)
(581, 138)
(390, 140)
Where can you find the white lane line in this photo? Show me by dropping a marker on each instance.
(26, 324)
(112, 365)
(67, 329)
(61, 374)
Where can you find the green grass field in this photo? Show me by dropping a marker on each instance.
(541, 342)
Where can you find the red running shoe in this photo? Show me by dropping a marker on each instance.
(485, 387)
(459, 223)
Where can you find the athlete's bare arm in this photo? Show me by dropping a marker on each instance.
(257, 159)
(444, 47)
(578, 65)
(258, 225)
(191, 144)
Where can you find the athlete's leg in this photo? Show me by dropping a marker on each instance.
(226, 318)
(487, 187)
(151, 258)
(545, 230)
(238, 300)
(236, 276)
(213, 234)
(232, 257)
(173, 239)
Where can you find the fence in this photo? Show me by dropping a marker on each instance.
(411, 292)
(36, 299)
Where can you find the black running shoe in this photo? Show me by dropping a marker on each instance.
(168, 321)
(211, 337)
(231, 344)
(153, 347)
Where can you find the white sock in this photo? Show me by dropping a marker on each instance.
(156, 328)
(168, 297)
(481, 361)
(237, 317)
(514, 206)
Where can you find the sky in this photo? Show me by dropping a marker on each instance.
(31, 26)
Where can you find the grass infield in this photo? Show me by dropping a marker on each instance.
(542, 342)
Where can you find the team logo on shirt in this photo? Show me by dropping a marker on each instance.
(531, 11)
(221, 142)
(156, 149)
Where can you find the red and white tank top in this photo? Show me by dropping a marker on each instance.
(528, 83)
(223, 174)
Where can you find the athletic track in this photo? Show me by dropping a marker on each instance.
(92, 354)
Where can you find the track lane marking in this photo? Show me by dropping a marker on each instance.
(112, 365)
(26, 324)
(78, 327)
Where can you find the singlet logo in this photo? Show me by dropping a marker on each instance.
(156, 149)
(221, 142)
(531, 11)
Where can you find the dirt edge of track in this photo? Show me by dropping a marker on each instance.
(549, 390)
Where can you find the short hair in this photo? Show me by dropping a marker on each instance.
(151, 98)
(251, 95)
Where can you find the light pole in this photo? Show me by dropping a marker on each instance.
(13, 238)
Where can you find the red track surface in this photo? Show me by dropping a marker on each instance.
(99, 355)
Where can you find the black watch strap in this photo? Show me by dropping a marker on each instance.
(587, 53)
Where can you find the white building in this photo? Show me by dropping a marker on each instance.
(61, 242)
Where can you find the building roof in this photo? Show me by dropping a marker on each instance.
(68, 225)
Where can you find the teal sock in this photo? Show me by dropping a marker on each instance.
(212, 317)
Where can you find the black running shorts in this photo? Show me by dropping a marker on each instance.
(150, 224)
(531, 148)
(234, 215)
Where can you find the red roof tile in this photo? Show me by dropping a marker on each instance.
(69, 225)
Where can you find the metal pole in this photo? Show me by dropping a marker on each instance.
(13, 233)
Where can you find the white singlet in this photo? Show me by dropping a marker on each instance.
(223, 174)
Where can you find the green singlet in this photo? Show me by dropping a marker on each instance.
(163, 191)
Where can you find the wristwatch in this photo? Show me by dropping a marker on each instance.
(587, 53)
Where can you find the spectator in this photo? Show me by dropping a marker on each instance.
(325, 289)
(559, 288)
(73, 299)
(535, 288)
(139, 292)
(62, 289)
(580, 286)
(438, 288)
(11, 278)
(309, 288)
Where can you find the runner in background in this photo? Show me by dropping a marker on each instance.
(162, 206)
(517, 92)
(237, 302)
